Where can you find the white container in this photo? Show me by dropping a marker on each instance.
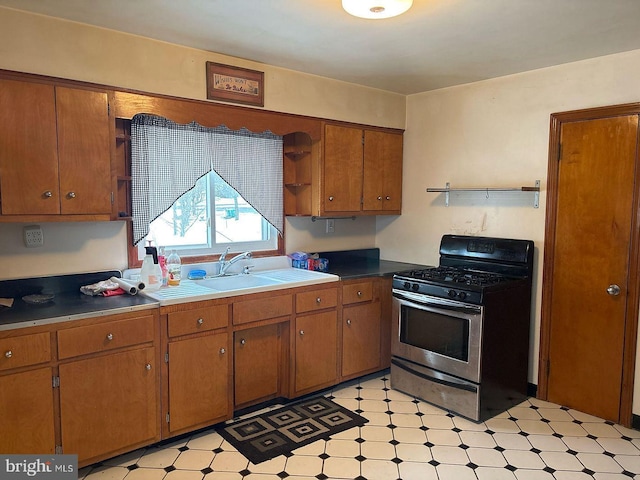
(151, 274)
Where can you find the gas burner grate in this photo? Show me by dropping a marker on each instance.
(456, 276)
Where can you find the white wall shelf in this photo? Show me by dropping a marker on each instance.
(448, 189)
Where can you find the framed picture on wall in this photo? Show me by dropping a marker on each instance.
(235, 84)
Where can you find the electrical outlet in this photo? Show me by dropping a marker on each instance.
(33, 236)
(331, 226)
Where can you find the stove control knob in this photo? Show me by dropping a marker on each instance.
(407, 286)
(451, 293)
(415, 287)
(462, 295)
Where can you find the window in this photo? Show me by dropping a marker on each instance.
(209, 218)
(179, 201)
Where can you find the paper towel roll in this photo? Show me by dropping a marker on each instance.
(126, 286)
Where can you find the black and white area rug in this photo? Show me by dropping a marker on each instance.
(280, 431)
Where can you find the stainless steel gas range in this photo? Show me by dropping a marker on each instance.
(460, 336)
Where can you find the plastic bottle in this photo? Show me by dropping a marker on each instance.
(174, 265)
(162, 261)
(150, 274)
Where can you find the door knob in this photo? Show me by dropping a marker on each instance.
(613, 290)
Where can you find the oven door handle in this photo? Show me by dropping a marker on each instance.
(436, 377)
(435, 302)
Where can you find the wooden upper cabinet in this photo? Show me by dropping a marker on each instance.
(54, 150)
(343, 150)
(83, 150)
(382, 184)
(359, 172)
(28, 149)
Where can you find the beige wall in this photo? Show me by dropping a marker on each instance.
(494, 134)
(43, 45)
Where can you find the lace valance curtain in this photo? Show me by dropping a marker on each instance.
(167, 159)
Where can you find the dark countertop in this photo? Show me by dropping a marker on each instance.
(349, 264)
(67, 304)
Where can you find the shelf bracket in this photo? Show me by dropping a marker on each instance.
(536, 195)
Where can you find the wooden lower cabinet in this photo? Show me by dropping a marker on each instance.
(109, 404)
(316, 345)
(28, 419)
(257, 360)
(198, 382)
(360, 339)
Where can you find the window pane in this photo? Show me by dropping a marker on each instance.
(188, 225)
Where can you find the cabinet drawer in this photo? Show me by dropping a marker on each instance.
(316, 300)
(198, 320)
(24, 350)
(357, 292)
(262, 309)
(105, 336)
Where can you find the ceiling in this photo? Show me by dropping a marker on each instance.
(437, 43)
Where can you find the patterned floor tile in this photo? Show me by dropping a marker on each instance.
(408, 439)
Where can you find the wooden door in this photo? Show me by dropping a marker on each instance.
(382, 181)
(342, 171)
(84, 153)
(198, 381)
(27, 422)
(360, 339)
(587, 287)
(28, 149)
(316, 357)
(109, 403)
(256, 364)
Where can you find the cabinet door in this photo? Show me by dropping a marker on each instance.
(83, 149)
(342, 171)
(109, 403)
(256, 364)
(26, 400)
(198, 381)
(360, 339)
(382, 188)
(316, 343)
(28, 149)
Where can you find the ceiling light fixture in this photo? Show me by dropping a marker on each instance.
(374, 9)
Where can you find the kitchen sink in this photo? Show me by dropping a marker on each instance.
(237, 282)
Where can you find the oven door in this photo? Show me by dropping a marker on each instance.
(438, 333)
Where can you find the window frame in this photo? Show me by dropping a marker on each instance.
(253, 246)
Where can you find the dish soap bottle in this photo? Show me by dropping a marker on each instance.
(174, 265)
(150, 274)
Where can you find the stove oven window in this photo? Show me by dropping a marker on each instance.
(442, 334)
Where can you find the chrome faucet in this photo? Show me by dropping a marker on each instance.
(224, 264)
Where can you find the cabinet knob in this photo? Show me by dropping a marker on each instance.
(318, 300)
(379, 197)
(109, 336)
(71, 195)
(387, 197)
(301, 333)
(8, 354)
(348, 321)
(148, 366)
(200, 321)
(331, 198)
(359, 293)
(222, 351)
(47, 194)
(242, 341)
